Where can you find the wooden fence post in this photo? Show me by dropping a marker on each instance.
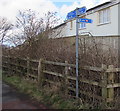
(9, 66)
(66, 79)
(104, 86)
(110, 81)
(28, 67)
(16, 68)
(40, 73)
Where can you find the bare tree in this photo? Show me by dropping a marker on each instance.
(33, 28)
(31, 25)
(28, 24)
(5, 27)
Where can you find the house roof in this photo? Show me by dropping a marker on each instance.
(59, 25)
(109, 3)
(106, 3)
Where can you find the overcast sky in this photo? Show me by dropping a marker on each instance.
(10, 8)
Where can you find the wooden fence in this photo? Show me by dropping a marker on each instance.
(99, 86)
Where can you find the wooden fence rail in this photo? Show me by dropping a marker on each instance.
(37, 71)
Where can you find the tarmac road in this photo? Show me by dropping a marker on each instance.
(12, 99)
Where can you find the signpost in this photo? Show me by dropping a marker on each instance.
(71, 15)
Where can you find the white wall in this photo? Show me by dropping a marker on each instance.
(98, 30)
(58, 32)
(71, 31)
(119, 19)
(110, 29)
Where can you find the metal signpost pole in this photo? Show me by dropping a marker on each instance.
(77, 53)
(72, 15)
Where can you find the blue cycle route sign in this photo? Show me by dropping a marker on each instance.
(72, 14)
(82, 10)
(85, 20)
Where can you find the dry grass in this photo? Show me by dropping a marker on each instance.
(91, 53)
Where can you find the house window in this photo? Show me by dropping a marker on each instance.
(104, 16)
(82, 25)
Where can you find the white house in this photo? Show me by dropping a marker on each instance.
(105, 21)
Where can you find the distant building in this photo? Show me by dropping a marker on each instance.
(105, 22)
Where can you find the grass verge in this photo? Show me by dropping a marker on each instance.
(50, 99)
